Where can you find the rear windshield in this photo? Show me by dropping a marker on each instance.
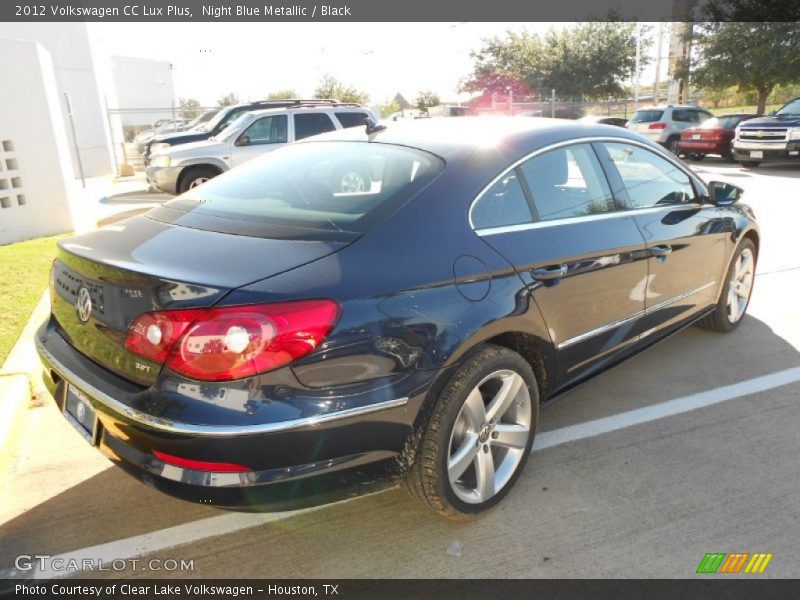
(335, 187)
(646, 116)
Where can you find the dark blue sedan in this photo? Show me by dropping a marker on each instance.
(384, 304)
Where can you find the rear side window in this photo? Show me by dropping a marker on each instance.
(684, 116)
(267, 130)
(649, 179)
(502, 204)
(351, 119)
(568, 182)
(308, 124)
(646, 116)
(335, 187)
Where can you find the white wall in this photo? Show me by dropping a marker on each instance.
(86, 75)
(141, 83)
(35, 169)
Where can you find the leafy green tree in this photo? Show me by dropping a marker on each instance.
(189, 108)
(754, 57)
(228, 100)
(427, 99)
(589, 60)
(389, 109)
(330, 87)
(287, 94)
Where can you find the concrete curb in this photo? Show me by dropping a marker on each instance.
(21, 384)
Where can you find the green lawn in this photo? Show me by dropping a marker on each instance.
(24, 268)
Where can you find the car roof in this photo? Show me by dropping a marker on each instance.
(447, 136)
(267, 111)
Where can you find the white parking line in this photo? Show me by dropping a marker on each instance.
(141, 545)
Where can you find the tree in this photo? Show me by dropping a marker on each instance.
(389, 109)
(754, 57)
(228, 100)
(287, 94)
(189, 108)
(330, 87)
(590, 60)
(427, 99)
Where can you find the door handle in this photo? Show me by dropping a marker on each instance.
(549, 273)
(661, 251)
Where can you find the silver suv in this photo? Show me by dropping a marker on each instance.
(664, 124)
(253, 134)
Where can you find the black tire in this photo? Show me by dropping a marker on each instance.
(719, 320)
(695, 157)
(428, 480)
(194, 176)
(672, 145)
(749, 164)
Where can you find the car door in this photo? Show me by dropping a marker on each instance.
(261, 136)
(554, 217)
(685, 237)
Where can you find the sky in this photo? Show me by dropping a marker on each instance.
(252, 59)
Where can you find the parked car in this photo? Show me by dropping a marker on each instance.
(664, 124)
(713, 136)
(769, 138)
(220, 121)
(275, 339)
(184, 167)
(163, 128)
(603, 120)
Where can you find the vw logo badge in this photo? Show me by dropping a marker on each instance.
(84, 304)
(81, 412)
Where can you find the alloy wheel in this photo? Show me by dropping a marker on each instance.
(197, 181)
(740, 285)
(489, 437)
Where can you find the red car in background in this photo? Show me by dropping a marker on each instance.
(713, 136)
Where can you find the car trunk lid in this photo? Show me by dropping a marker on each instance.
(102, 281)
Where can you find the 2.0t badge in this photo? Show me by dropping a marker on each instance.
(84, 304)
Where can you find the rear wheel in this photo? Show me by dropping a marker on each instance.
(695, 157)
(736, 291)
(195, 176)
(479, 436)
(672, 145)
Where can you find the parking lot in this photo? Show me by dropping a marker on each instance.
(689, 448)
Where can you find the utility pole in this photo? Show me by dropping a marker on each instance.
(638, 62)
(659, 46)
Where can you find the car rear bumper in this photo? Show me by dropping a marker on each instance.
(295, 462)
(704, 147)
(164, 178)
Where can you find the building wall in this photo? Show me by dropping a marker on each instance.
(144, 88)
(35, 169)
(85, 74)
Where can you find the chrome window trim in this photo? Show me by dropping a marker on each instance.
(171, 426)
(611, 214)
(637, 315)
(615, 214)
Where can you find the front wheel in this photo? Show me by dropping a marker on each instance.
(479, 435)
(194, 177)
(736, 290)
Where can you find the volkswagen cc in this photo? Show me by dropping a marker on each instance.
(384, 304)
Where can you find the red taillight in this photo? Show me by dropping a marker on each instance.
(200, 465)
(657, 126)
(232, 342)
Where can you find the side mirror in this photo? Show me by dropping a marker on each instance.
(723, 194)
(772, 113)
(243, 141)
